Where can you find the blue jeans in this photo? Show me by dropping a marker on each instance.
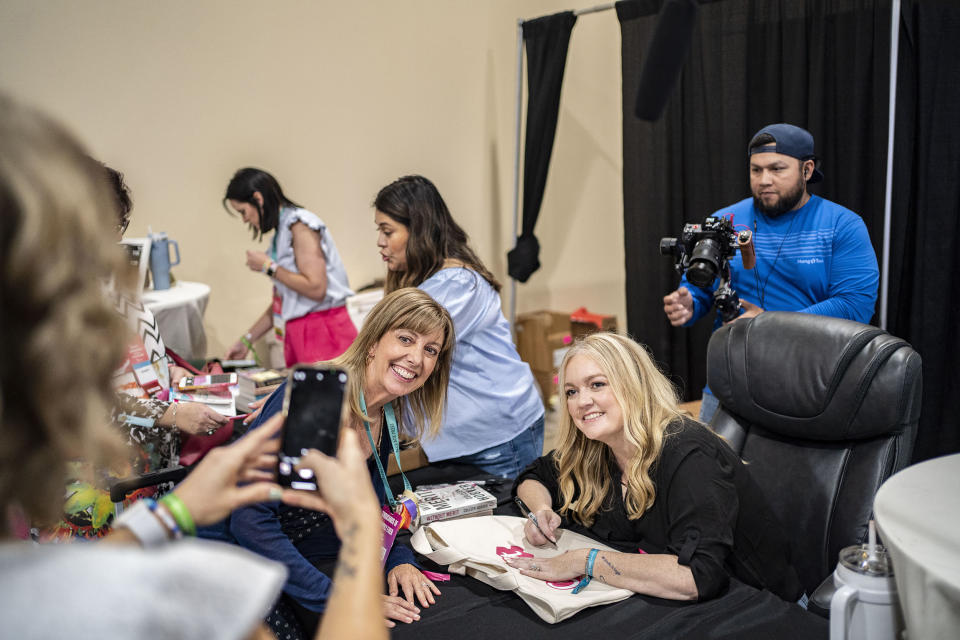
(507, 460)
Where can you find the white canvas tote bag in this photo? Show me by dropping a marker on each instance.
(476, 546)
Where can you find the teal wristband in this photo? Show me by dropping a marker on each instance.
(180, 513)
(591, 558)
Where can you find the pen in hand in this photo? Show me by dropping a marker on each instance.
(528, 514)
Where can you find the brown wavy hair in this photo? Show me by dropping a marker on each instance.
(415, 310)
(648, 403)
(434, 236)
(59, 337)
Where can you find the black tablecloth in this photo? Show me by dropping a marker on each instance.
(470, 609)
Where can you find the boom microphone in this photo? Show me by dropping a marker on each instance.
(664, 60)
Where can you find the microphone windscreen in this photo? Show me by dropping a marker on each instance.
(668, 48)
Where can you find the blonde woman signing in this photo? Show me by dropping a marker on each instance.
(669, 495)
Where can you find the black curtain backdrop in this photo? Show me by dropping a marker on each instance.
(546, 41)
(925, 231)
(822, 65)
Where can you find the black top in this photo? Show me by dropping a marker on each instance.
(708, 512)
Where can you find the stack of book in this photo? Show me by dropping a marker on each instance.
(256, 385)
(450, 501)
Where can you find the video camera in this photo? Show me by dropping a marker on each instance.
(703, 252)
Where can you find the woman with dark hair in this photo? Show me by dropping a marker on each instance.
(310, 288)
(667, 493)
(494, 415)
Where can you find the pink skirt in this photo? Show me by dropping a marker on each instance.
(321, 335)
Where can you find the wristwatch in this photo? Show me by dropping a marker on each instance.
(272, 269)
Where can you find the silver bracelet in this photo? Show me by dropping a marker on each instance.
(144, 524)
(175, 403)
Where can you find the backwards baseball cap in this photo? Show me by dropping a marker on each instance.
(790, 141)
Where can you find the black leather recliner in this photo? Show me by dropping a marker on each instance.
(823, 410)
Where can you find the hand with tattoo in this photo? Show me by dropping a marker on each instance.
(565, 566)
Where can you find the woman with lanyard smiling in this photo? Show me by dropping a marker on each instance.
(399, 365)
(310, 288)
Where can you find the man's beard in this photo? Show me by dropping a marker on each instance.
(785, 203)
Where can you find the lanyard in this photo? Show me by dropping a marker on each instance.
(391, 420)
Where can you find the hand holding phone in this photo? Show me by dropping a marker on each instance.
(312, 409)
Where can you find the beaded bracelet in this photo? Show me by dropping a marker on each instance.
(180, 513)
(588, 574)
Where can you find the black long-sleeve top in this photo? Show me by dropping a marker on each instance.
(708, 512)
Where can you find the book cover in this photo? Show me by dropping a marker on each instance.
(453, 501)
(257, 380)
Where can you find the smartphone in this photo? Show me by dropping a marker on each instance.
(205, 382)
(312, 408)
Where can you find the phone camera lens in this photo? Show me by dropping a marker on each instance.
(343, 377)
(299, 375)
(319, 375)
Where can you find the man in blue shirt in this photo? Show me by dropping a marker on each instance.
(812, 255)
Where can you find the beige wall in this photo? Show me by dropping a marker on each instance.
(335, 99)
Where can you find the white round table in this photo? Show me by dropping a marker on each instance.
(179, 312)
(918, 514)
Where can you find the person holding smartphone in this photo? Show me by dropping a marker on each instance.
(397, 374)
(495, 414)
(56, 249)
(308, 312)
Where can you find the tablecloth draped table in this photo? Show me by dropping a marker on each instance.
(918, 514)
(179, 312)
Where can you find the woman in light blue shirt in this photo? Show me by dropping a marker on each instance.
(494, 416)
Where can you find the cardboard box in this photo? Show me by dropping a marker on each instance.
(548, 388)
(590, 323)
(410, 458)
(538, 334)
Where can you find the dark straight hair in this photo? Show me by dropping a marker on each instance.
(242, 187)
(414, 202)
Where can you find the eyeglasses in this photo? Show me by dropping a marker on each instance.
(122, 227)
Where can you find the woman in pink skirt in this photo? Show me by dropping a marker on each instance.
(308, 311)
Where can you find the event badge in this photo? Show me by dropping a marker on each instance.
(143, 369)
(404, 516)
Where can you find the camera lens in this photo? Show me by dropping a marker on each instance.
(704, 263)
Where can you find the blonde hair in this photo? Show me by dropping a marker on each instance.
(59, 337)
(648, 404)
(416, 311)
